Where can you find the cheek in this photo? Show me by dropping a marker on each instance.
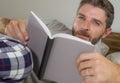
(77, 25)
(95, 33)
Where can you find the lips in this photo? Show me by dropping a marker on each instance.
(83, 36)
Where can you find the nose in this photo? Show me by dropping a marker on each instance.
(86, 25)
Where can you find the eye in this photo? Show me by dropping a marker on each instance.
(96, 23)
(81, 17)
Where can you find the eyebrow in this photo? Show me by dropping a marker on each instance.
(81, 14)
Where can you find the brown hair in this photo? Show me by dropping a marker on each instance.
(3, 24)
(103, 4)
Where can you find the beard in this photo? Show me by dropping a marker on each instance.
(85, 33)
(95, 40)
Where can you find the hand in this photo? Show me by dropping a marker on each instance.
(17, 29)
(95, 68)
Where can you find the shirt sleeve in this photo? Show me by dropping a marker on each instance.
(15, 59)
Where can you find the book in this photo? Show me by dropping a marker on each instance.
(57, 53)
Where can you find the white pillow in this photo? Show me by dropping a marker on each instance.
(115, 57)
(56, 26)
(102, 48)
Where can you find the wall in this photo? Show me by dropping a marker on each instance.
(63, 10)
(116, 24)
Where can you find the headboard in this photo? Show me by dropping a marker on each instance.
(113, 41)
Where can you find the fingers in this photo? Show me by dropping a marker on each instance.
(22, 25)
(88, 75)
(90, 67)
(88, 72)
(10, 29)
(88, 56)
(17, 29)
(85, 68)
(86, 64)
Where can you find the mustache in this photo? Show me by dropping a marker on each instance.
(82, 32)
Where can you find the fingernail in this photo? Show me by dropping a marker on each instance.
(26, 43)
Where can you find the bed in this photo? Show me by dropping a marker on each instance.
(113, 42)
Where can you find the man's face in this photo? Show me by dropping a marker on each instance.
(90, 23)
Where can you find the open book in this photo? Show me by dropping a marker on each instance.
(57, 53)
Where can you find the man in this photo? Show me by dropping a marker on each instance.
(92, 22)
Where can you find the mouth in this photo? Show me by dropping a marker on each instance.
(83, 36)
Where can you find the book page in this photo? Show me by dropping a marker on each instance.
(71, 37)
(61, 65)
(38, 39)
(41, 23)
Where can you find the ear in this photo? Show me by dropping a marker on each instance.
(107, 32)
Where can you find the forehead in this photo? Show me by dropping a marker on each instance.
(92, 11)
